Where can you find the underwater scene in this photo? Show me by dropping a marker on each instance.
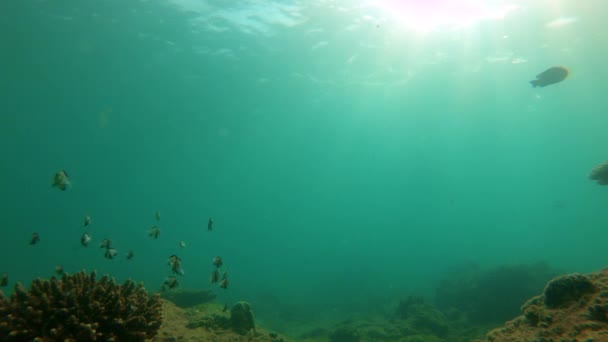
(290, 170)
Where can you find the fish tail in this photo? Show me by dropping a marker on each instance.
(534, 83)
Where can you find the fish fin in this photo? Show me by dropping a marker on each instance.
(534, 83)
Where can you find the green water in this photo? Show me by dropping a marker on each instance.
(347, 159)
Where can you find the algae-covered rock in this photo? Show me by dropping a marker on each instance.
(241, 318)
(566, 289)
(345, 334)
(422, 317)
(188, 298)
(572, 308)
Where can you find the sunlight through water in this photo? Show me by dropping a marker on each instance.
(433, 15)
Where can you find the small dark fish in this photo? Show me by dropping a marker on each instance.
(157, 215)
(550, 76)
(35, 239)
(106, 243)
(154, 232)
(176, 264)
(110, 253)
(85, 239)
(217, 261)
(4, 279)
(59, 270)
(224, 281)
(61, 180)
(87, 220)
(215, 276)
(171, 282)
(130, 255)
(210, 224)
(600, 174)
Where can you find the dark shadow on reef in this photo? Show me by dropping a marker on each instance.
(468, 302)
(491, 296)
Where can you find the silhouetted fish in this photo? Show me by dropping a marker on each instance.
(154, 232)
(85, 239)
(170, 282)
(215, 276)
(61, 180)
(550, 76)
(224, 281)
(35, 239)
(110, 253)
(217, 261)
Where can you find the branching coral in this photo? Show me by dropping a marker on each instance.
(79, 308)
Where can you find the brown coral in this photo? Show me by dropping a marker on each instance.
(600, 174)
(79, 308)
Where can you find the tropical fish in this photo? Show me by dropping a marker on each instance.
(176, 264)
(182, 244)
(110, 253)
(217, 261)
(171, 282)
(550, 76)
(106, 243)
(157, 215)
(4, 279)
(130, 255)
(59, 270)
(87, 220)
(35, 239)
(85, 239)
(600, 174)
(210, 224)
(154, 232)
(224, 281)
(61, 180)
(215, 276)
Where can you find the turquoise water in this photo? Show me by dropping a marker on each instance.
(347, 157)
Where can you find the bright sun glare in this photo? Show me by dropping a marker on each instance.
(428, 15)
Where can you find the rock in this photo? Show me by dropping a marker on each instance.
(567, 289)
(572, 308)
(345, 335)
(188, 298)
(423, 317)
(241, 318)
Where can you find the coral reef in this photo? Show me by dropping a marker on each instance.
(492, 296)
(79, 308)
(571, 308)
(188, 298)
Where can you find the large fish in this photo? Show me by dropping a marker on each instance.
(550, 76)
